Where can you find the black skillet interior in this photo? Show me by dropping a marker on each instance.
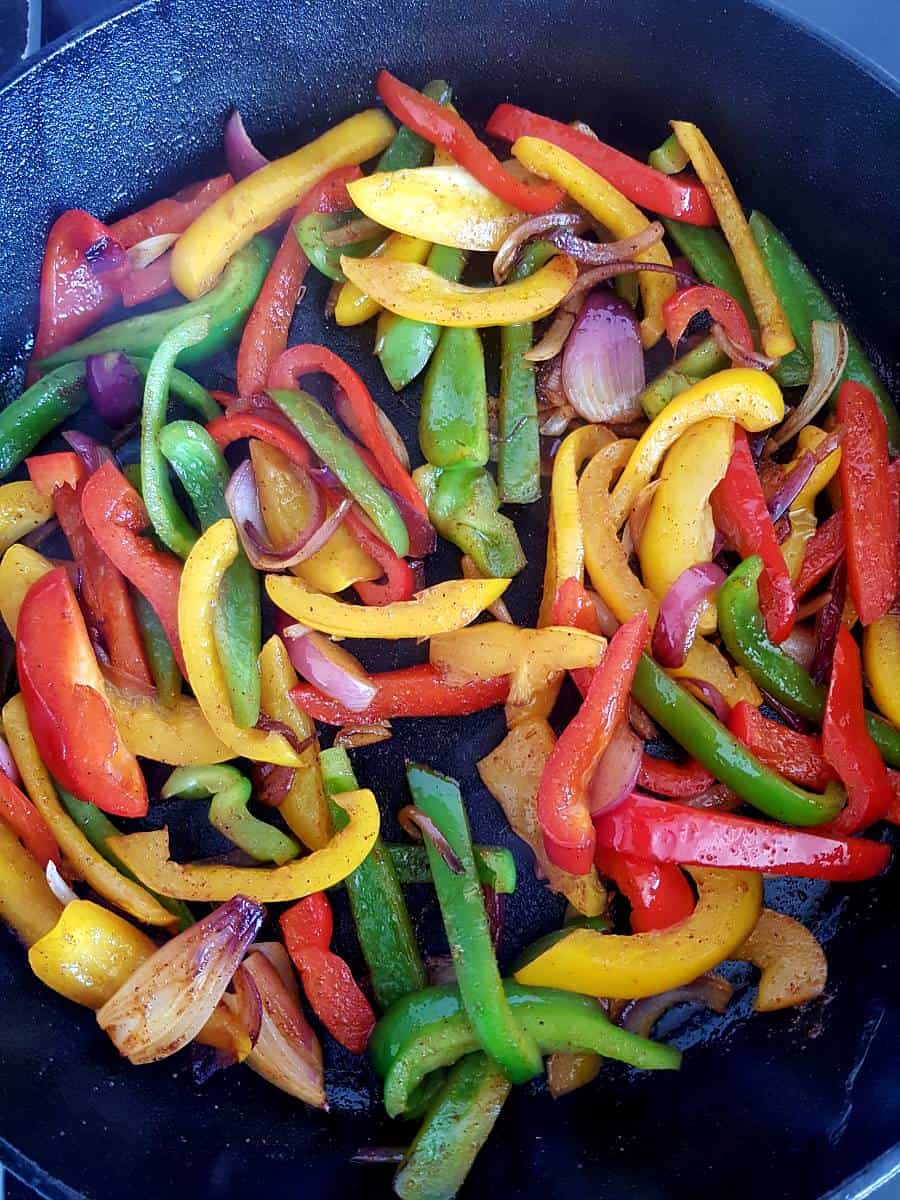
(787, 1105)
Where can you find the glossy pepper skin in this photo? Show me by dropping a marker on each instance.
(453, 419)
(495, 865)
(823, 551)
(464, 507)
(418, 691)
(27, 905)
(159, 652)
(695, 728)
(379, 910)
(680, 780)
(405, 346)
(659, 894)
(744, 634)
(22, 509)
(68, 712)
(881, 654)
(203, 473)
(679, 310)
(38, 411)
(226, 307)
(704, 359)
(465, 921)
(796, 756)
(27, 823)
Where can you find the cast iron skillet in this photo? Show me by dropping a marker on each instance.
(788, 1105)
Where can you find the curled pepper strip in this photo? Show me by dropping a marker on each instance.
(147, 855)
(793, 964)
(198, 599)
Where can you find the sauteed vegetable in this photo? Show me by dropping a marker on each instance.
(708, 695)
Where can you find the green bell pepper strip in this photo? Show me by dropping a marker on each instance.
(519, 452)
(704, 360)
(185, 389)
(230, 791)
(492, 1028)
(163, 666)
(669, 157)
(337, 452)
(203, 472)
(171, 525)
(804, 301)
(379, 910)
(310, 233)
(226, 306)
(710, 256)
(97, 828)
(495, 865)
(696, 729)
(453, 419)
(463, 506)
(47, 403)
(744, 634)
(554, 1021)
(405, 346)
(456, 1126)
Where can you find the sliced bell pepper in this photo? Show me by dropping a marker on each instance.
(90, 865)
(445, 128)
(41, 407)
(204, 249)
(741, 514)
(354, 307)
(174, 214)
(63, 691)
(823, 551)
(704, 359)
(116, 517)
(147, 855)
(419, 691)
(330, 988)
(27, 823)
(416, 291)
(562, 797)
(660, 831)
(198, 603)
(27, 905)
(680, 780)
(802, 512)
(870, 507)
(681, 308)
(658, 892)
(775, 332)
(439, 609)
(265, 426)
(881, 654)
(606, 204)
(464, 508)
(495, 865)
(671, 196)
(624, 967)
(399, 581)
(793, 966)
(796, 756)
(453, 418)
(847, 744)
(22, 509)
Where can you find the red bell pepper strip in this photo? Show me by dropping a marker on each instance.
(796, 756)
(870, 507)
(265, 424)
(674, 196)
(419, 691)
(740, 513)
(311, 359)
(562, 807)
(658, 893)
(103, 587)
(139, 286)
(572, 605)
(443, 127)
(681, 308)
(70, 718)
(848, 746)
(74, 293)
(332, 991)
(660, 831)
(27, 823)
(171, 215)
(266, 332)
(399, 578)
(823, 551)
(116, 516)
(680, 780)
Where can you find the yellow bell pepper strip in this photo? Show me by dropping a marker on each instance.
(415, 291)
(89, 953)
(530, 656)
(20, 567)
(793, 964)
(304, 807)
(881, 655)
(341, 562)
(22, 509)
(87, 861)
(201, 253)
(608, 206)
(749, 397)
(679, 529)
(27, 905)
(201, 580)
(775, 331)
(802, 512)
(354, 307)
(616, 584)
(440, 609)
(147, 855)
(443, 204)
(512, 774)
(623, 967)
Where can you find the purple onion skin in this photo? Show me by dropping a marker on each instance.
(115, 387)
(603, 360)
(679, 612)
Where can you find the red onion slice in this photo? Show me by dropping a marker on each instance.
(615, 775)
(506, 256)
(828, 624)
(830, 345)
(639, 1016)
(8, 763)
(115, 387)
(417, 825)
(143, 254)
(603, 361)
(241, 155)
(798, 477)
(739, 356)
(91, 452)
(105, 256)
(800, 645)
(287, 1052)
(600, 254)
(711, 696)
(679, 613)
(329, 667)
